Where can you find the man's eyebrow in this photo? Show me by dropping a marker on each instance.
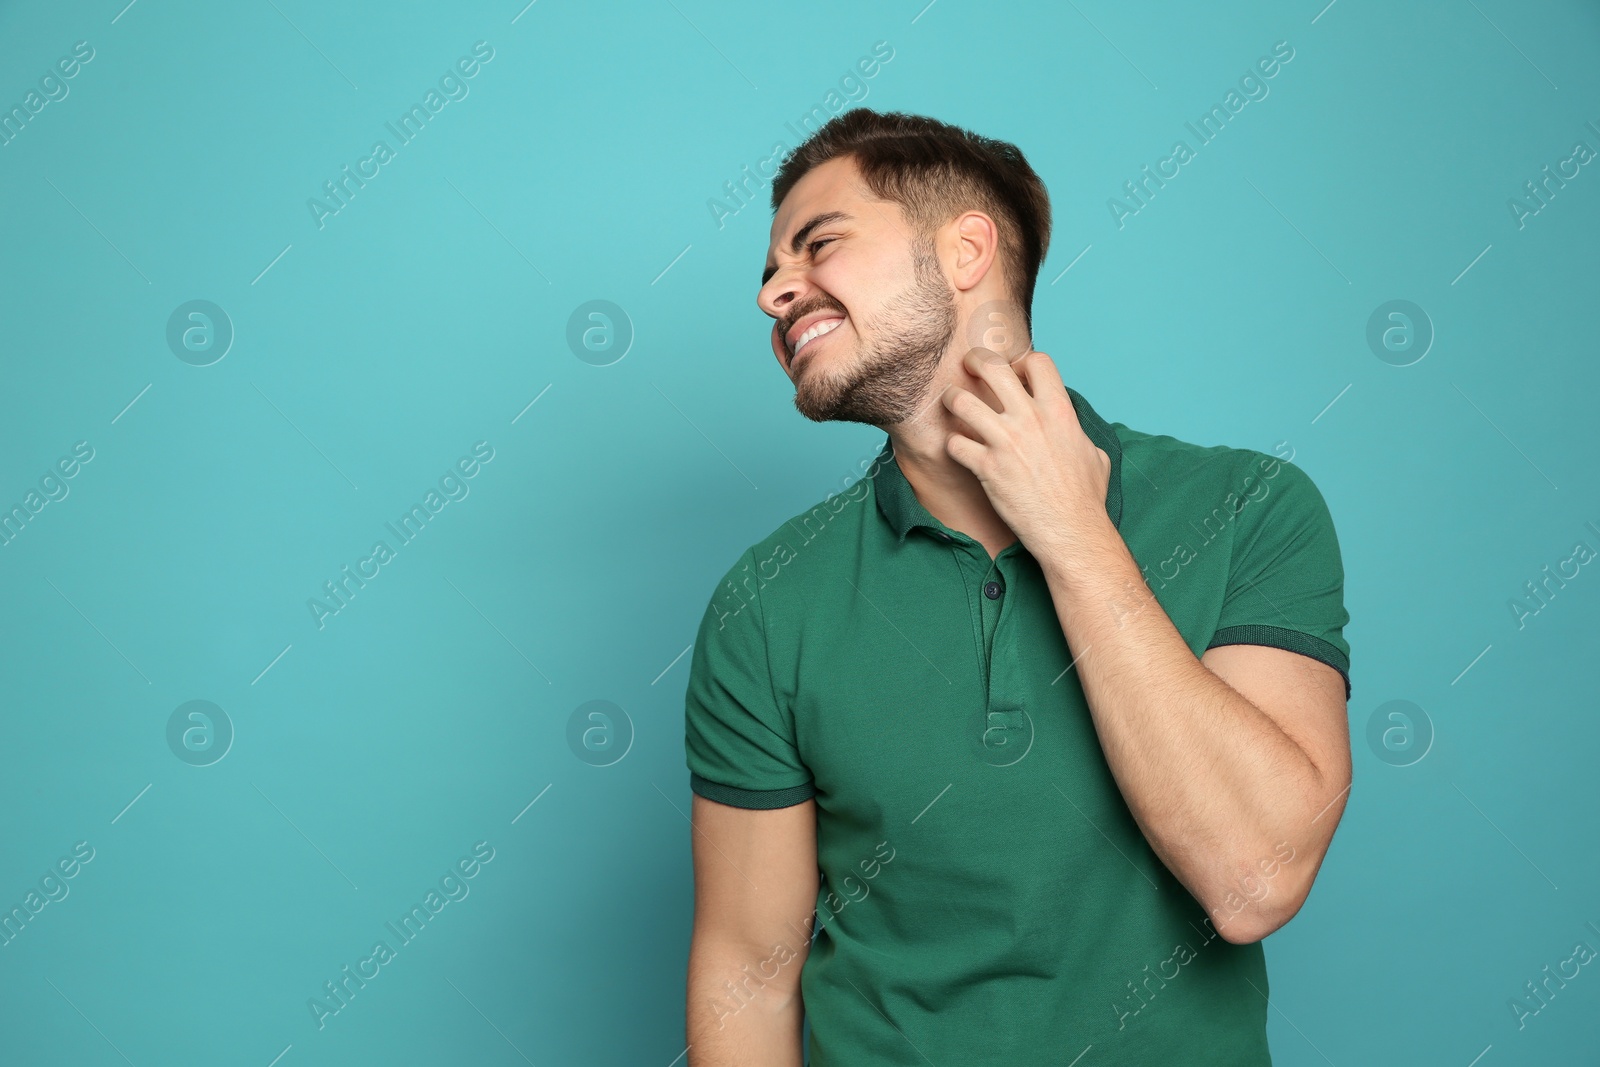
(802, 233)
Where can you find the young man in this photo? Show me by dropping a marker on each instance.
(1038, 728)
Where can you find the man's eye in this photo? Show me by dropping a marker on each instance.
(814, 245)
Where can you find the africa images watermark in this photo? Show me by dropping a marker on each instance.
(748, 188)
(1211, 125)
(743, 994)
(1551, 183)
(452, 485)
(1182, 954)
(52, 889)
(729, 601)
(1539, 595)
(1135, 602)
(53, 485)
(452, 884)
(52, 84)
(1256, 889)
(1538, 997)
(453, 86)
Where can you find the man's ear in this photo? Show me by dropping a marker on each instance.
(975, 245)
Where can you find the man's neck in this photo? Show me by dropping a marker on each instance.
(950, 492)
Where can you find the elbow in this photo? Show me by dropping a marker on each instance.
(1254, 908)
(1267, 885)
(1256, 924)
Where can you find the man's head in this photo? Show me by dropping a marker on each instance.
(889, 230)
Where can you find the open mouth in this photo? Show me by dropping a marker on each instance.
(807, 339)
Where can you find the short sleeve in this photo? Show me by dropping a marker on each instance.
(740, 745)
(1286, 576)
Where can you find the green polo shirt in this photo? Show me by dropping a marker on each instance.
(987, 897)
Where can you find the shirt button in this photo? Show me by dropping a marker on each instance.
(991, 590)
(941, 535)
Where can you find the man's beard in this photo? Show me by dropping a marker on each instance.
(887, 379)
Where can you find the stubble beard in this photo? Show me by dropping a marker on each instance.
(886, 380)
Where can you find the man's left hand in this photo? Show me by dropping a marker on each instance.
(1045, 479)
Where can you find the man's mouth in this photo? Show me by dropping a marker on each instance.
(826, 326)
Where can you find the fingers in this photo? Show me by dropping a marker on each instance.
(999, 374)
(974, 416)
(1038, 371)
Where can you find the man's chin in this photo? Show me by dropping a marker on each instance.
(809, 400)
(813, 409)
(838, 410)
(808, 408)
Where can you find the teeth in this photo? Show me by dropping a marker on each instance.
(816, 331)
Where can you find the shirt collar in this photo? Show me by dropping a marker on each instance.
(900, 506)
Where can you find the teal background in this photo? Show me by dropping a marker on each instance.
(433, 711)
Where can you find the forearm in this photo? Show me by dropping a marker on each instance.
(735, 1017)
(1214, 784)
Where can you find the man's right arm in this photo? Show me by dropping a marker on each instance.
(755, 894)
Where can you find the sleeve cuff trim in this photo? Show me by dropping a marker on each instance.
(1290, 640)
(764, 799)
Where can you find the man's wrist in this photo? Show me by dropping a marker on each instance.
(1070, 561)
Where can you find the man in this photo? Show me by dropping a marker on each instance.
(1012, 753)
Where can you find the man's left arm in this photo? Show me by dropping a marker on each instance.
(1236, 765)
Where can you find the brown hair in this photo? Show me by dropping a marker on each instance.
(935, 171)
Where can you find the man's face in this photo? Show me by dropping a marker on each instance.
(847, 270)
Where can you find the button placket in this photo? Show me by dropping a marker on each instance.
(1006, 730)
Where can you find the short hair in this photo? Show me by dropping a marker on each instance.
(935, 171)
